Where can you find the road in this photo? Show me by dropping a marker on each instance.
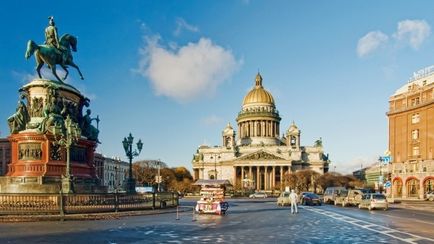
(247, 221)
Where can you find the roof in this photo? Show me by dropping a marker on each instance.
(212, 183)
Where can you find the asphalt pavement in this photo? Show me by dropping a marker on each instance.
(247, 221)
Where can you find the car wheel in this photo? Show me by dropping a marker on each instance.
(385, 209)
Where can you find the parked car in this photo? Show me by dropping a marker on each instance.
(283, 199)
(310, 199)
(331, 193)
(430, 196)
(258, 195)
(374, 201)
(353, 197)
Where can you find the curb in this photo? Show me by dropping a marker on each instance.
(90, 216)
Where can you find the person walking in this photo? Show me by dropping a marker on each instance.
(293, 198)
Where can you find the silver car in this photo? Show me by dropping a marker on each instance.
(430, 196)
(374, 201)
(258, 195)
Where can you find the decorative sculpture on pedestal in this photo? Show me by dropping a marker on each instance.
(40, 138)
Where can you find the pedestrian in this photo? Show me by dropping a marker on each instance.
(293, 198)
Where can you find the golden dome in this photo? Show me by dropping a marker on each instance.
(258, 94)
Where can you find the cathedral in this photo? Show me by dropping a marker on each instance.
(256, 157)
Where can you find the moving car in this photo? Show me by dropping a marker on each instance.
(331, 193)
(430, 196)
(353, 197)
(310, 199)
(283, 199)
(258, 195)
(374, 201)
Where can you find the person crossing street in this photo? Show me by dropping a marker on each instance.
(293, 198)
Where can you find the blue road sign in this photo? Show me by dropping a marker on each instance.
(388, 184)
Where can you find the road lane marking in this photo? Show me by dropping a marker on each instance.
(370, 226)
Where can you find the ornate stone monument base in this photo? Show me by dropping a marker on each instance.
(38, 154)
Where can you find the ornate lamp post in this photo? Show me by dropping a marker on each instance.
(65, 137)
(215, 156)
(128, 147)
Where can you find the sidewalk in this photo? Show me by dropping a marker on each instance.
(415, 204)
(89, 216)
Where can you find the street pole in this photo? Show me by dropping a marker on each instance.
(159, 177)
(66, 136)
(215, 155)
(128, 147)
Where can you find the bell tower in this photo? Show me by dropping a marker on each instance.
(293, 137)
(228, 135)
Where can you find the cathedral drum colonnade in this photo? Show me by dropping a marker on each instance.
(257, 158)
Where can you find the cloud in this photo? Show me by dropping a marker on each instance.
(413, 31)
(211, 120)
(191, 71)
(181, 25)
(370, 42)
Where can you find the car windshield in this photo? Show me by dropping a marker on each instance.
(285, 194)
(312, 195)
(378, 196)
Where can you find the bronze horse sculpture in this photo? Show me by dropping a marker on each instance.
(45, 54)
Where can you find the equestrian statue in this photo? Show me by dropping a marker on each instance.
(54, 51)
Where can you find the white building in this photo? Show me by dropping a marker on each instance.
(257, 157)
(115, 173)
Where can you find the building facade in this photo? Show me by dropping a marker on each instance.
(411, 136)
(112, 172)
(258, 158)
(5, 155)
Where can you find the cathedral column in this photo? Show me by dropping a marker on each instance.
(272, 129)
(266, 178)
(250, 173)
(258, 177)
(251, 129)
(281, 178)
(273, 181)
(242, 177)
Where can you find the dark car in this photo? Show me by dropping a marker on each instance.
(310, 199)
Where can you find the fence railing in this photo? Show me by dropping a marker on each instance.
(32, 204)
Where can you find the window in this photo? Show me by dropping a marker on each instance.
(416, 151)
(415, 101)
(415, 134)
(415, 118)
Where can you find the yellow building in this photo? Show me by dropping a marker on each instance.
(411, 136)
(257, 158)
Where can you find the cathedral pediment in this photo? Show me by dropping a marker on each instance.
(260, 155)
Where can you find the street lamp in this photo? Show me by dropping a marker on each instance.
(65, 137)
(215, 156)
(159, 177)
(128, 147)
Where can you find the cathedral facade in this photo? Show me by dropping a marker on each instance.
(256, 157)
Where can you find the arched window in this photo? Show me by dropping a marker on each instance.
(428, 185)
(413, 188)
(397, 186)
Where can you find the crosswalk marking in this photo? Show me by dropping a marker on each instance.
(370, 226)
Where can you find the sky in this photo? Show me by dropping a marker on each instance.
(174, 73)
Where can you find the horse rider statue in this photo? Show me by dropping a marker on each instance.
(52, 39)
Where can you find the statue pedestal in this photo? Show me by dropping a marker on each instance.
(37, 160)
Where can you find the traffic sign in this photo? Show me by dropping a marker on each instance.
(388, 184)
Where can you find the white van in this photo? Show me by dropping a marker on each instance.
(331, 193)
